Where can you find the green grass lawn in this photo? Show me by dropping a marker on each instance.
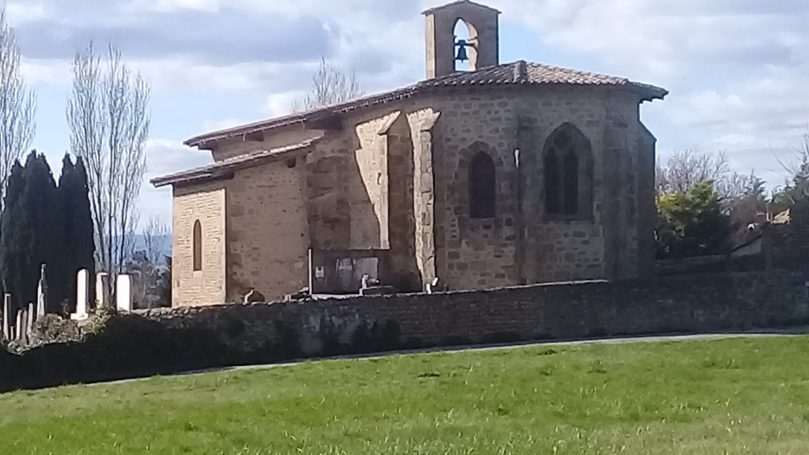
(701, 397)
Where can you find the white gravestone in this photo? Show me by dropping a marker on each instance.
(19, 328)
(102, 285)
(123, 293)
(42, 293)
(31, 320)
(82, 295)
(7, 318)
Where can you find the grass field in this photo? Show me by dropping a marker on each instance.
(698, 397)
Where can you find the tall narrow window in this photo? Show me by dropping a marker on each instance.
(197, 242)
(552, 180)
(482, 187)
(568, 173)
(571, 190)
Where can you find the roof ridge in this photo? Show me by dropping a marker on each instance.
(578, 72)
(519, 72)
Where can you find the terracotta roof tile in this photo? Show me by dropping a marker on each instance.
(519, 73)
(224, 168)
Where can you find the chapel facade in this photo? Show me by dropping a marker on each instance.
(505, 174)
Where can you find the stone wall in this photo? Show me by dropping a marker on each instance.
(692, 304)
(192, 338)
(396, 178)
(787, 245)
(268, 237)
(368, 194)
(206, 204)
(282, 137)
(522, 244)
(800, 234)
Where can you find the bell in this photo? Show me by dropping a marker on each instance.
(462, 55)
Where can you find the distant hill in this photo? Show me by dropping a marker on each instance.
(165, 250)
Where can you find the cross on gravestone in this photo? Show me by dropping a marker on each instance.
(82, 295)
(123, 293)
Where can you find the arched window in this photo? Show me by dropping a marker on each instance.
(571, 190)
(463, 36)
(197, 242)
(482, 187)
(552, 182)
(568, 173)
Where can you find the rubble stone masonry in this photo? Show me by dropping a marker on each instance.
(685, 304)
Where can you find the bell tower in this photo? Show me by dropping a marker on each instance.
(481, 47)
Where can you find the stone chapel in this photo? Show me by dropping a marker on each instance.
(493, 175)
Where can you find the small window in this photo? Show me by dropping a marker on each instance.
(197, 241)
(482, 187)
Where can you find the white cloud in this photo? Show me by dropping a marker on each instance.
(20, 13)
(279, 104)
(667, 39)
(737, 69)
(163, 157)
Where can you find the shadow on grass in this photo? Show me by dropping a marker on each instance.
(130, 347)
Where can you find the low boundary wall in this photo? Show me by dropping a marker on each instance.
(556, 311)
(173, 340)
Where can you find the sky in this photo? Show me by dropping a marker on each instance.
(737, 70)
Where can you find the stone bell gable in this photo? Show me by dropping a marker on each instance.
(482, 23)
(507, 174)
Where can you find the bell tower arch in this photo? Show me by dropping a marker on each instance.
(482, 47)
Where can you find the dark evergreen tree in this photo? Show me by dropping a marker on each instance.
(14, 242)
(45, 238)
(31, 230)
(77, 226)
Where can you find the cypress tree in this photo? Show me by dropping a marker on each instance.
(31, 236)
(45, 238)
(83, 234)
(77, 226)
(13, 242)
(62, 285)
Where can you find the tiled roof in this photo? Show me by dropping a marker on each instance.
(524, 73)
(227, 167)
(512, 74)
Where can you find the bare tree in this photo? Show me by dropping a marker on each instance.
(109, 126)
(796, 171)
(687, 168)
(155, 237)
(17, 104)
(152, 267)
(330, 85)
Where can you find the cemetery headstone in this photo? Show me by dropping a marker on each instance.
(82, 295)
(123, 293)
(102, 286)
